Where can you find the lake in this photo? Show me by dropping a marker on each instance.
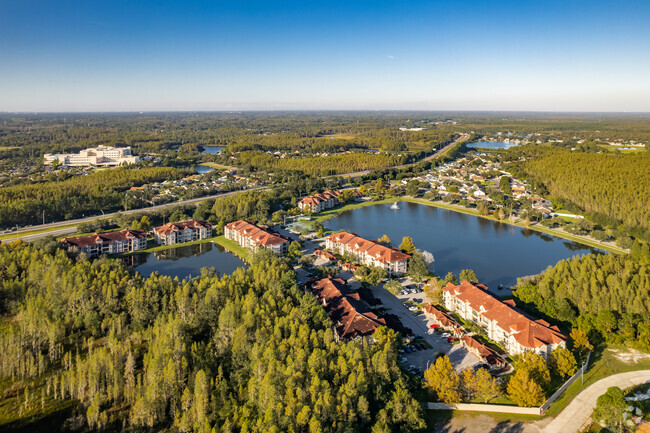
(200, 169)
(498, 253)
(492, 145)
(185, 261)
(212, 149)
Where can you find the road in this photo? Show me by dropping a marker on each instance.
(578, 413)
(463, 137)
(68, 230)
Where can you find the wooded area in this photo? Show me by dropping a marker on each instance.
(247, 352)
(611, 189)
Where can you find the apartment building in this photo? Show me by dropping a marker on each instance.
(351, 316)
(369, 253)
(249, 235)
(184, 231)
(501, 321)
(101, 156)
(108, 243)
(319, 202)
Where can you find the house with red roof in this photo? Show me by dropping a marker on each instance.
(369, 253)
(249, 235)
(440, 318)
(351, 316)
(108, 243)
(501, 320)
(183, 231)
(486, 354)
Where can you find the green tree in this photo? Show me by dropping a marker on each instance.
(384, 240)
(295, 249)
(468, 275)
(407, 245)
(393, 286)
(443, 379)
(580, 343)
(523, 389)
(504, 185)
(451, 278)
(417, 267)
(610, 408)
(413, 188)
(563, 362)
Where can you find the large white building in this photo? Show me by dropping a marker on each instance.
(368, 252)
(101, 156)
(108, 243)
(501, 321)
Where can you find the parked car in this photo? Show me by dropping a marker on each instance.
(446, 335)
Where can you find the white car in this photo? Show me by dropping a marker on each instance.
(446, 335)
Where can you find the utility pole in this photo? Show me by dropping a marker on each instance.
(43, 216)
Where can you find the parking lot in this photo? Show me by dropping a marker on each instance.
(420, 359)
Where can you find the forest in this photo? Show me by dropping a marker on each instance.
(611, 189)
(72, 196)
(88, 345)
(606, 295)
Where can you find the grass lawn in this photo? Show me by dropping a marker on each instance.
(217, 166)
(232, 246)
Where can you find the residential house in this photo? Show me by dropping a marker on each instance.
(351, 316)
(369, 253)
(486, 354)
(184, 231)
(108, 243)
(249, 235)
(501, 321)
(440, 318)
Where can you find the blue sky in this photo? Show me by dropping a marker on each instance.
(249, 55)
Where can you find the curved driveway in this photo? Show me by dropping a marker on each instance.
(577, 414)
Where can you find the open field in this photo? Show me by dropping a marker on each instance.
(217, 166)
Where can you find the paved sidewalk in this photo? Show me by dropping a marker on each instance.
(577, 414)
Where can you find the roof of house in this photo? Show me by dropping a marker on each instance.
(325, 254)
(443, 318)
(350, 315)
(485, 352)
(182, 225)
(526, 331)
(100, 238)
(373, 249)
(257, 234)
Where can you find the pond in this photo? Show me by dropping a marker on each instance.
(492, 145)
(498, 253)
(212, 149)
(185, 261)
(200, 169)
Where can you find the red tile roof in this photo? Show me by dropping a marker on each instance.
(95, 239)
(527, 332)
(350, 315)
(373, 249)
(443, 318)
(182, 225)
(257, 234)
(489, 355)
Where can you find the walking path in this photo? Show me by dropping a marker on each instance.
(577, 414)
